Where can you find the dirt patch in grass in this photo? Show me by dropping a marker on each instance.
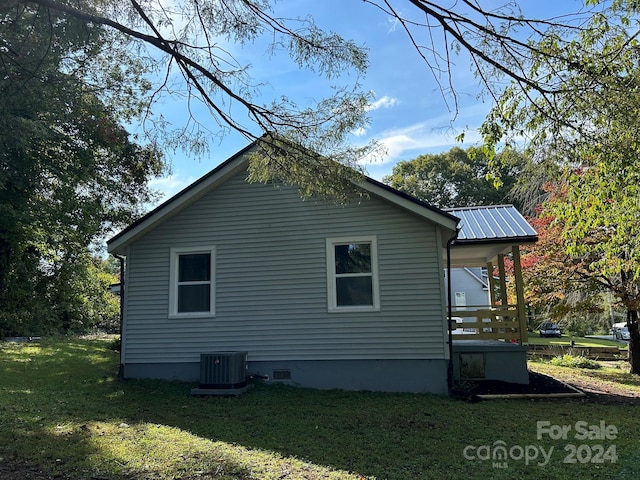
(11, 469)
(602, 387)
(595, 390)
(539, 384)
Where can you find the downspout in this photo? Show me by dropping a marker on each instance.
(121, 258)
(450, 310)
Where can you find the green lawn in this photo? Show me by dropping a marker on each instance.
(63, 410)
(611, 376)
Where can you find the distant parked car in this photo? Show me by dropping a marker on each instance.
(458, 322)
(548, 329)
(620, 331)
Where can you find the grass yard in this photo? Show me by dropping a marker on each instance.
(63, 411)
(610, 378)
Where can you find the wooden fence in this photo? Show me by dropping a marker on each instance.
(594, 353)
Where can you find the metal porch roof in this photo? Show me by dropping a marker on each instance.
(492, 224)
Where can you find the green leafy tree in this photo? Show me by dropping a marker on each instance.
(457, 178)
(181, 44)
(69, 171)
(78, 289)
(600, 234)
(180, 41)
(591, 131)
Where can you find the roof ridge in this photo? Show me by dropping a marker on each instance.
(478, 207)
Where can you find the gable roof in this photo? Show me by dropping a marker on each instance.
(239, 162)
(492, 224)
(478, 279)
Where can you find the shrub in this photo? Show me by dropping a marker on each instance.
(59, 297)
(572, 361)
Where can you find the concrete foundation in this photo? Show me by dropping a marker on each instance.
(490, 360)
(415, 376)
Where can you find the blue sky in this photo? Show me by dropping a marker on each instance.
(409, 115)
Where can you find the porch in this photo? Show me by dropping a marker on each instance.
(489, 341)
(502, 319)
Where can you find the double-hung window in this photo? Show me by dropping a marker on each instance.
(352, 274)
(192, 288)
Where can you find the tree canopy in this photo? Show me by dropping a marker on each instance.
(69, 171)
(458, 178)
(183, 44)
(502, 44)
(595, 70)
(591, 131)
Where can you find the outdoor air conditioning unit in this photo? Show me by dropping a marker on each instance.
(222, 373)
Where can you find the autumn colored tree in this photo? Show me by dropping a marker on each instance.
(553, 284)
(590, 131)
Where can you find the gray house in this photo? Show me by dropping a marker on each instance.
(469, 287)
(316, 294)
(337, 296)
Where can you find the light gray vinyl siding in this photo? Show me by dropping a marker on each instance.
(464, 280)
(271, 281)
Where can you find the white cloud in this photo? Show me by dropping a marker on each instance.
(170, 185)
(359, 132)
(392, 24)
(418, 139)
(435, 135)
(384, 102)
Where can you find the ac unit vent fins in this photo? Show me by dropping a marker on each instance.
(223, 370)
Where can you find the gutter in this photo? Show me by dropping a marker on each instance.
(450, 309)
(121, 365)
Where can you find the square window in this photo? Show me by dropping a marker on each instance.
(192, 282)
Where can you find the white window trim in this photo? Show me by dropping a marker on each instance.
(173, 282)
(331, 274)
